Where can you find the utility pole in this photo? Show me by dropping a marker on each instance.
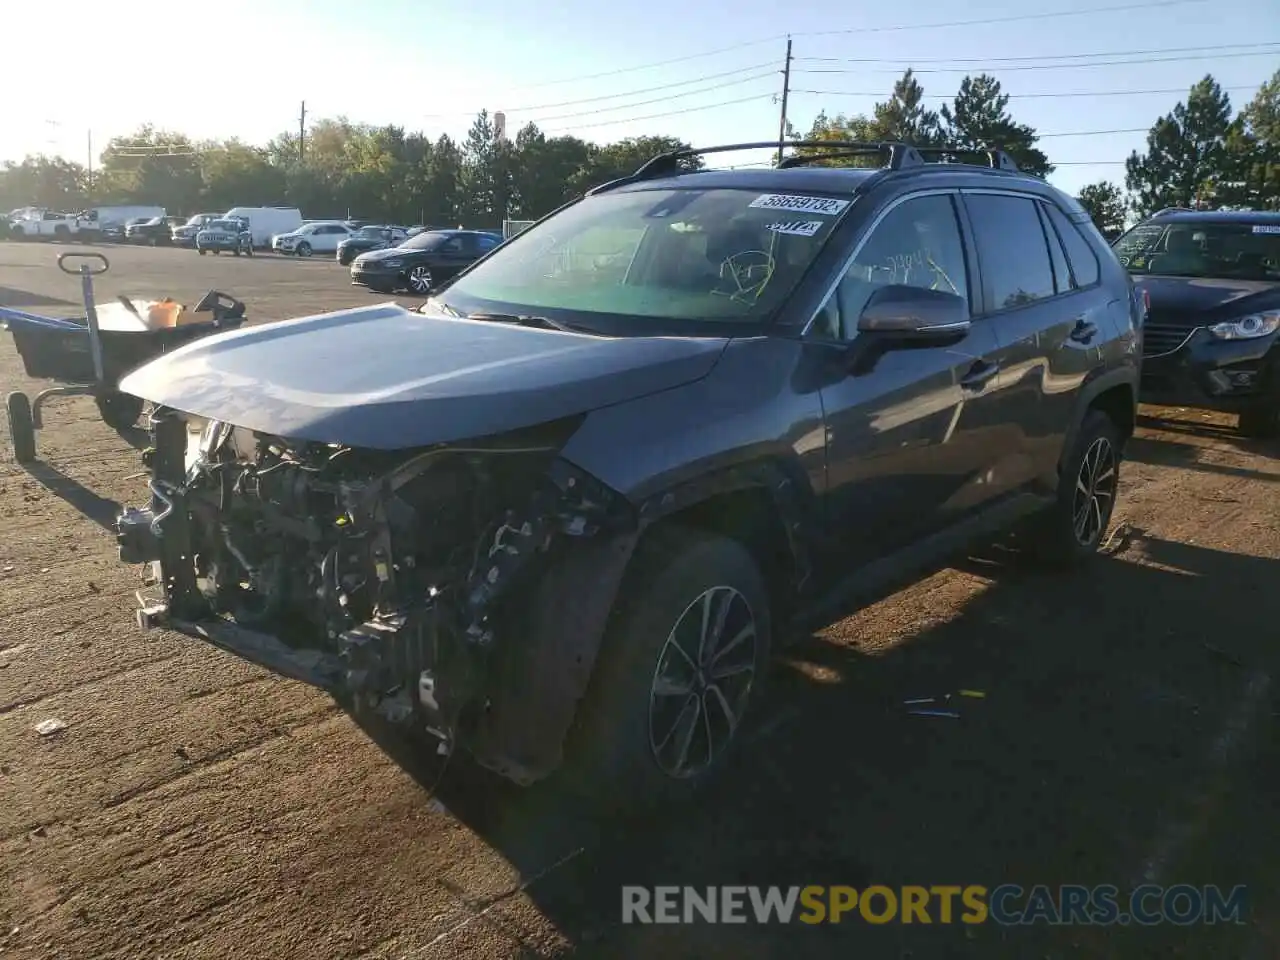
(786, 89)
(302, 133)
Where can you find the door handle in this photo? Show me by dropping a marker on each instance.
(979, 375)
(1084, 331)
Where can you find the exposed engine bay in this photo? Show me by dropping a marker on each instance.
(392, 570)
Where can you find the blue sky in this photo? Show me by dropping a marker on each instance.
(431, 64)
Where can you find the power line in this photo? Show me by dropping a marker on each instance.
(669, 113)
(1026, 96)
(1046, 66)
(1044, 56)
(1017, 18)
(645, 103)
(610, 96)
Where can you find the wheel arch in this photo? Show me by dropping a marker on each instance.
(551, 656)
(1114, 393)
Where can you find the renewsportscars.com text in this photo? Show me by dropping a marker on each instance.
(1007, 905)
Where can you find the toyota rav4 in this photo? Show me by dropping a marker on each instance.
(560, 515)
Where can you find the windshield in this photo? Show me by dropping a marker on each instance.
(424, 241)
(199, 220)
(230, 226)
(716, 255)
(371, 233)
(1238, 251)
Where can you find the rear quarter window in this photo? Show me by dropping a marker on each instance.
(1084, 262)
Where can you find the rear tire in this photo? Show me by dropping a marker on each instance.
(1070, 531)
(663, 688)
(22, 427)
(120, 411)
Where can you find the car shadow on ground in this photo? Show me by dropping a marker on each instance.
(1190, 456)
(101, 510)
(1106, 693)
(25, 299)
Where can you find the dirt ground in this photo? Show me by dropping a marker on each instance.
(195, 806)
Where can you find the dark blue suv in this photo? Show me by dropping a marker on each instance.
(1213, 334)
(559, 516)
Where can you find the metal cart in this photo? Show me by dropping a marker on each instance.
(87, 360)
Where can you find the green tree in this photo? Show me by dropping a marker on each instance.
(42, 181)
(238, 174)
(1106, 205)
(979, 118)
(544, 169)
(1252, 146)
(903, 118)
(1186, 161)
(623, 157)
(152, 166)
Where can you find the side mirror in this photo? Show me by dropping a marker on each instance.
(914, 315)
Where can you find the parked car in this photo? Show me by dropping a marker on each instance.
(109, 223)
(45, 225)
(422, 261)
(227, 234)
(559, 516)
(376, 237)
(319, 237)
(266, 222)
(1212, 339)
(184, 235)
(156, 231)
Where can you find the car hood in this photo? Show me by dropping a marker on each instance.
(383, 377)
(1195, 297)
(392, 253)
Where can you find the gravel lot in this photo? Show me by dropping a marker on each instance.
(195, 806)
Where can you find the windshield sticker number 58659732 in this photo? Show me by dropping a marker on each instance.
(828, 206)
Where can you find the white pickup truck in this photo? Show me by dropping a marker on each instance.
(45, 225)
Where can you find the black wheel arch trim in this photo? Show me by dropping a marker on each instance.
(541, 680)
(1100, 383)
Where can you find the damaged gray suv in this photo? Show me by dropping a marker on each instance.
(559, 515)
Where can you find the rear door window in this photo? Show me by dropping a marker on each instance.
(1084, 262)
(1012, 248)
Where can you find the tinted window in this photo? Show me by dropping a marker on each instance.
(1084, 262)
(452, 245)
(1061, 270)
(486, 243)
(1012, 247)
(917, 244)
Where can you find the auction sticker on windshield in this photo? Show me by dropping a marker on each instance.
(796, 228)
(828, 206)
(1260, 228)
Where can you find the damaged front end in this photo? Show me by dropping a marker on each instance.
(462, 587)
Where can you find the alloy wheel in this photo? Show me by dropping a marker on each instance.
(702, 682)
(420, 279)
(1095, 491)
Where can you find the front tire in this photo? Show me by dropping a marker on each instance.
(120, 411)
(419, 280)
(683, 659)
(1072, 529)
(22, 428)
(304, 249)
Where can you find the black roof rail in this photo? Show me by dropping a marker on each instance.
(897, 156)
(1168, 210)
(993, 157)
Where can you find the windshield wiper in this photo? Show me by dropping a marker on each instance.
(523, 320)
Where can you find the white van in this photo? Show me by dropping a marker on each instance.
(266, 222)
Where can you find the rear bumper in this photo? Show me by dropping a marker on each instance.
(1212, 374)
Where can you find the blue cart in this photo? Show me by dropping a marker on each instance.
(87, 360)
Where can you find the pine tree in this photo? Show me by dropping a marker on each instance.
(978, 118)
